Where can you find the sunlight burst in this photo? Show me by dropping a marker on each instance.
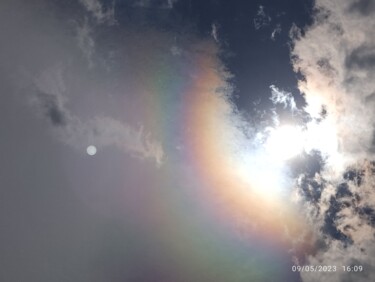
(285, 142)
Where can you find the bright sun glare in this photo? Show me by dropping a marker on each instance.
(264, 168)
(285, 142)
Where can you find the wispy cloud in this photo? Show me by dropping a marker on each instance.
(86, 42)
(50, 100)
(99, 13)
(261, 19)
(276, 31)
(214, 31)
(282, 97)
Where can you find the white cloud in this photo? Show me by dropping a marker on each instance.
(336, 57)
(283, 97)
(348, 204)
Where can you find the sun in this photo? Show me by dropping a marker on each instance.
(285, 142)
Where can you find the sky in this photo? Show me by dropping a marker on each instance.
(187, 140)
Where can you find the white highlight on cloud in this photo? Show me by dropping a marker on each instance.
(336, 57)
(322, 136)
(283, 97)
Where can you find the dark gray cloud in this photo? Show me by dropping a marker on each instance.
(52, 109)
(364, 7)
(362, 57)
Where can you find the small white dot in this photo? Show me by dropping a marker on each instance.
(91, 150)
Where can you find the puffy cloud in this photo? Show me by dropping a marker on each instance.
(335, 57)
(343, 216)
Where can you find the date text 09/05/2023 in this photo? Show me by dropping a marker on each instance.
(327, 268)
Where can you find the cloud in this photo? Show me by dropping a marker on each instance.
(214, 31)
(364, 7)
(105, 131)
(85, 29)
(276, 31)
(335, 57)
(100, 14)
(52, 109)
(261, 19)
(175, 50)
(48, 96)
(86, 42)
(50, 99)
(338, 255)
(164, 4)
(283, 97)
(344, 219)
